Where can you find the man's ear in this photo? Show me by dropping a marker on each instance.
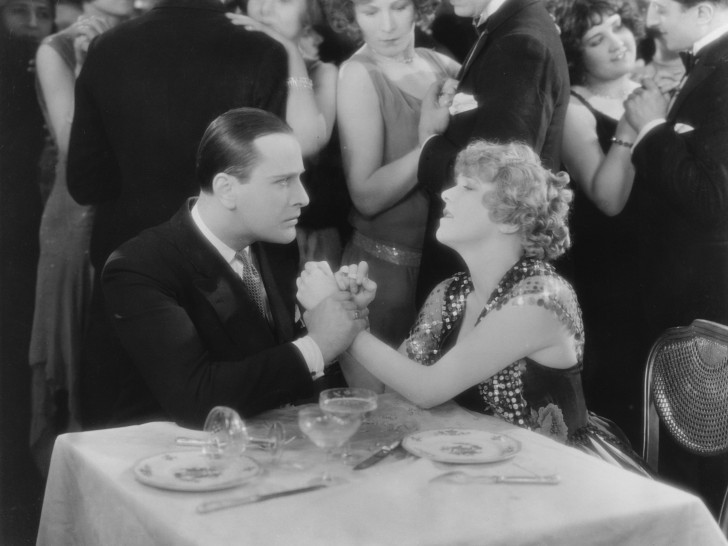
(223, 186)
(705, 13)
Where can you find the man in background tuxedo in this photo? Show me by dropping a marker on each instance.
(204, 304)
(147, 91)
(516, 86)
(680, 155)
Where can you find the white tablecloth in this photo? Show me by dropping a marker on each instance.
(92, 497)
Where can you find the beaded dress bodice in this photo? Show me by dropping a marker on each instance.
(525, 393)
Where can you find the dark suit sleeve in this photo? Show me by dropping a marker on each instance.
(271, 90)
(92, 170)
(516, 83)
(690, 170)
(152, 314)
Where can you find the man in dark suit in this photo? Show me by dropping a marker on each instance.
(680, 192)
(516, 85)
(147, 91)
(204, 304)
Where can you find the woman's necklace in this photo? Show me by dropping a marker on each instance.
(404, 58)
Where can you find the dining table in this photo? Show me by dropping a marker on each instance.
(96, 493)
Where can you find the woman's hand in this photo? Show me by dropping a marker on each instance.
(85, 29)
(355, 279)
(252, 24)
(315, 284)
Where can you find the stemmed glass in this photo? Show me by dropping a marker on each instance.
(343, 402)
(228, 436)
(328, 431)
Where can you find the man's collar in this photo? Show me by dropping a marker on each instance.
(709, 38)
(225, 251)
(489, 10)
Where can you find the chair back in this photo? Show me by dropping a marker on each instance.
(686, 387)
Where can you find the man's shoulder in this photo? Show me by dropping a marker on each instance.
(153, 247)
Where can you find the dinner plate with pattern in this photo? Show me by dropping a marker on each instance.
(459, 445)
(194, 471)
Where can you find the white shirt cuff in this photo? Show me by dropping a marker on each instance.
(312, 355)
(646, 129)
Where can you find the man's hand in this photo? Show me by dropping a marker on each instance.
(334, 323)
(645, 104)
(316, 283)
(434, 116)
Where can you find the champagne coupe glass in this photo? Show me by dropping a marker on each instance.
(227, 433)
(329, 432)
(343, 402)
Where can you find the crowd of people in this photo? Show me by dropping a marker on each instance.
(506, 213)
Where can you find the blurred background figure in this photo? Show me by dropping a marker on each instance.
(378, 104)
(65, 274)
(311, 112)
(655, 60)
(599, 38)
(23, 24)
(67, 11)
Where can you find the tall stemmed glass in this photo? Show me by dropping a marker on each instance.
(329, 432)
(348, 402)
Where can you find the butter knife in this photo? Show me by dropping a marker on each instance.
(378, 456)
(213, 506)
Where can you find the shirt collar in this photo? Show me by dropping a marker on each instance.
(225, 251)
(709, 38)
(489, 10)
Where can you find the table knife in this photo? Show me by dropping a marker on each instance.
(213, 506)
(378, 456)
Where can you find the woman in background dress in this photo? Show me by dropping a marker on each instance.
(380, 93)
(311, 113)
(65, 275)
(599, 38)
(506, 338)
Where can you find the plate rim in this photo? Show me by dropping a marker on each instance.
(233, 482)
(453, 460)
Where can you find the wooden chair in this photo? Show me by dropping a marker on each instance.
(686, 387)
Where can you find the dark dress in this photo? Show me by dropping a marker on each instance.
(602, 267)
(541, 398)
(63, 292)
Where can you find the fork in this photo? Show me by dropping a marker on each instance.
(460, 477)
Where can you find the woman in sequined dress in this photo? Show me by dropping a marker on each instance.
(506, 338)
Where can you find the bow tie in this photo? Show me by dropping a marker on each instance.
(688, 60)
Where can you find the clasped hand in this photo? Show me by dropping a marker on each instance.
(318, 281)
(335, 303)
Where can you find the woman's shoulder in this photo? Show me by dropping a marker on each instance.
(550, 291)
(62, 43)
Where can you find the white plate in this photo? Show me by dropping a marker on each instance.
(459, 445)
(193, 471)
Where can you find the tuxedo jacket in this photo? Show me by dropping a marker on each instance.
(517, 73)
(681, 194)
(147, 92)
(194, 336)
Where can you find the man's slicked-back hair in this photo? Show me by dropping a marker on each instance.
(228, 145)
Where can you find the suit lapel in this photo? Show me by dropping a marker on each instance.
(697, 76)
(279, 307)
(474, 51)
(219, 284)
(713, 54)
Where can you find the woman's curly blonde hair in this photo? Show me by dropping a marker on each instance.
(527, 195)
